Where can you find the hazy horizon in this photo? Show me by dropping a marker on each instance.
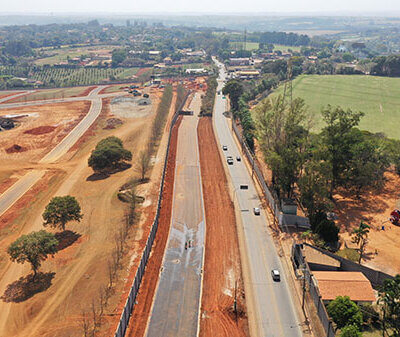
(221, 7)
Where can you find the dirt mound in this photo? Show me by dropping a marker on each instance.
(16, 148)
(112, 123)
(40, 130)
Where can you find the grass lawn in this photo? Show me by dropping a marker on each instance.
(249, 45)
(377, 97)
(285, 48)
(349, 253)
(51, 94)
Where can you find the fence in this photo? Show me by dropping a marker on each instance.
(310, 283)
(130, 302)
(284, 220)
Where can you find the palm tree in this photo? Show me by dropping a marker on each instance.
(360, 236)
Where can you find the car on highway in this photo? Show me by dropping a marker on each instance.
(224, 147)
(238, 158)
(276, 276)
(256, 211)
(229, 160)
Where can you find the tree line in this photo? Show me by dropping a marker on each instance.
(313, 166)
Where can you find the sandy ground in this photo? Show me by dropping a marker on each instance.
(74, 276)
(222, 267)
(374, 208)
(42, 94)
(42, 128)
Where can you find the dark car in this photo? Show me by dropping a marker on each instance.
(224, 147)
(238, 158)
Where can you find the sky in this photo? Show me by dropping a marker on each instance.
(203, 6)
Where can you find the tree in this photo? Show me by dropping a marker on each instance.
(143, 163)
(282, 132)
(344, 312)
(33, 248)
(314, 187)
(118, 56)
(350, 331)
(338, 138)
(389, 300)
(360, 235)
(108, 154)
(234, 89)
(61, 210)
(367, 164)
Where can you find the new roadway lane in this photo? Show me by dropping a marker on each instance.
(175, 310)
(273, 312)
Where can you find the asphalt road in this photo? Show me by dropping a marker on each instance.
(16, 191)
(274, 313)
(175, 310)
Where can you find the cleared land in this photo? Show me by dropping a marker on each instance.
(72, 278)
(39, 129)
(377, 97)
(222, 268)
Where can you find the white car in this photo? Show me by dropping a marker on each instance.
(276, 276)
(224, 147)
(256, 211)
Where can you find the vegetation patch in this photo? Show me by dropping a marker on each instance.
(377, 97)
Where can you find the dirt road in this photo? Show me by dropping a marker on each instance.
(222, 267)
(79, 268)
(9, 197)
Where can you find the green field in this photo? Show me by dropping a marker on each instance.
(62, 54)
(283, 48)
(377, 97)
(240, 45)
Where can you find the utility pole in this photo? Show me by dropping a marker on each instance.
(304, 288)
(235, 303)
(245, 39)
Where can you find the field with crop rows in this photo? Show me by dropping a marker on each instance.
(377, 97)
(60, 77)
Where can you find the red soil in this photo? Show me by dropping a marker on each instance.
(138, 321)
(15, 149)
(40, 130)
(222, 267)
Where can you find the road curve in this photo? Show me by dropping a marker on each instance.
(16, 191)
(272, 312)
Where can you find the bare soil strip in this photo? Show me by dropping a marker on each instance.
(222, 267)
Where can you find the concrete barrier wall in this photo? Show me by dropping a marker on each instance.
(130, 301)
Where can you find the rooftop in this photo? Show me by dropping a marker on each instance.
(332, 284)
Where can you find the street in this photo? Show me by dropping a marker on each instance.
(273, 312)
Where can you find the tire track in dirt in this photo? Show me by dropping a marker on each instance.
(222, 267)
